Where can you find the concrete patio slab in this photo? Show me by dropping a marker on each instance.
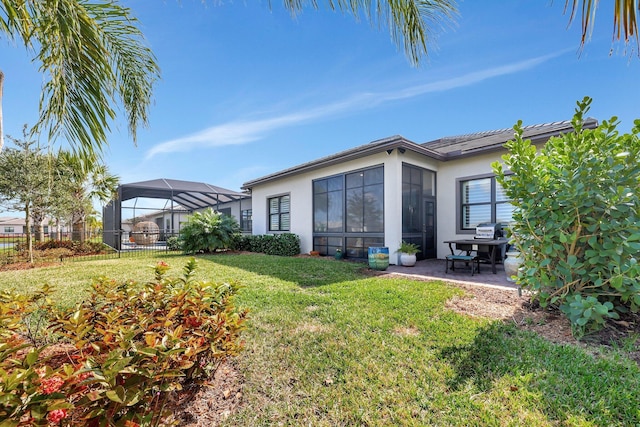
(435, 269)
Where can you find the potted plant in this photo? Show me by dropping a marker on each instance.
(408, 253)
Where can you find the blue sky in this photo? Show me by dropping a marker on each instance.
(247, 90)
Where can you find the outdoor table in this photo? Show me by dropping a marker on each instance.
(490, 246)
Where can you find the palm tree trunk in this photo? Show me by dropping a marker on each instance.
(40, 233)
(78, 233)
(38, 220)
(58, 229)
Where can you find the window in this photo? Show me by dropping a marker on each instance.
(365, 202)
(328, 205)
(483, 200)
(8, 229)
(348, 212)
(246, 224)
(279, 215)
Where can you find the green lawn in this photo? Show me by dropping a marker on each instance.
(327, 345)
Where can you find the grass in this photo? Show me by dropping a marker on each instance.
(327, 345)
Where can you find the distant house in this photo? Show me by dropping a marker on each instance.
(169, 222)
(390, 190)
(10, 225)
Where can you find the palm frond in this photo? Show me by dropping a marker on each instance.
(625, 18)
(94, 59)
(412, 23)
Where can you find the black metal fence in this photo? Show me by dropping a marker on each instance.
(74, 247)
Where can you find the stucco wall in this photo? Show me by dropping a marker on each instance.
(446, 196)
(299, 187)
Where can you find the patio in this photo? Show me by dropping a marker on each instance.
(435, 269)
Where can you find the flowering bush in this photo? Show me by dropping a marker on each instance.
(134, 345)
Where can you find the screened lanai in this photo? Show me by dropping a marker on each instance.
(182, 196)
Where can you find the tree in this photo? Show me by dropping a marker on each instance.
(577, 218)
(625, 22)
(83, 183)
(94, 55)
(94, 225)
(1, 121)
(26, 181)
(410, 22)
(94, 58)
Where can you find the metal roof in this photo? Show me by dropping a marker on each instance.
(473, 143)
(443, 149)
(191, 195)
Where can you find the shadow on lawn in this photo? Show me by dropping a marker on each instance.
(303, 270)
(568, 382)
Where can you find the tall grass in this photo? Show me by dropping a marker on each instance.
(328, 345)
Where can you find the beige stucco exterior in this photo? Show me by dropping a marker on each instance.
(448, 175)
(299, 188)
(452, 159)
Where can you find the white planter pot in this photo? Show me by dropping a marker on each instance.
(511, 264)
(407, 260)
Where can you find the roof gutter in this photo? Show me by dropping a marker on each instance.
(361, 151)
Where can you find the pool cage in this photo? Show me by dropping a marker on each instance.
(138, 226)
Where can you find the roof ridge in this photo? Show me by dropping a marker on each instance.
(497, 131)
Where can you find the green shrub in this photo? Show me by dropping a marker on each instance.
(135, 344)
(208, 231)
(576, 219)
(174, 244)
(286, 244)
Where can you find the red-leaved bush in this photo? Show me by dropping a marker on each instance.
(132, 346)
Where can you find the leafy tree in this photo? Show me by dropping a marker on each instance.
(82, 183)
(577, 218)
(94, 225)
(26, 181)
(94, 58)
(208, 231)
(1, 120)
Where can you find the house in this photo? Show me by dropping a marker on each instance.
(16, 225)
(390, 190)
(163, 218)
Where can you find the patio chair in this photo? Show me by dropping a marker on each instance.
(472, 260)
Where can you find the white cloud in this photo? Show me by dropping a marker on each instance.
(244, 131)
